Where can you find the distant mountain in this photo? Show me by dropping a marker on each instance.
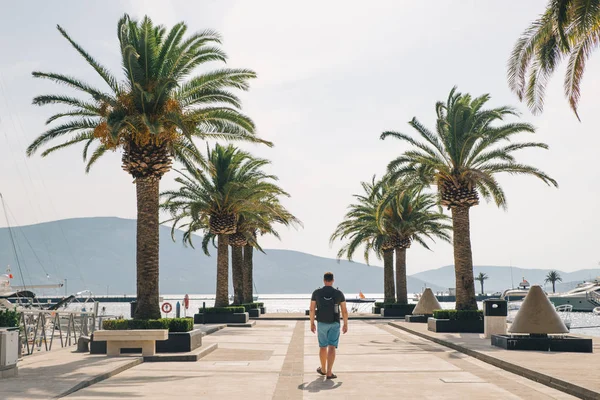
(505, 277)
(99, 254)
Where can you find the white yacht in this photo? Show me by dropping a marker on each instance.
(585, 297)
(518, 293)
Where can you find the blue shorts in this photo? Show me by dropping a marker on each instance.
(328, 333)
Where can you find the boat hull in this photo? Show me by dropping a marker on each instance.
(578, 303)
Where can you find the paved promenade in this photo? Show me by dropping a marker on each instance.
(579, 372)
(277, 360)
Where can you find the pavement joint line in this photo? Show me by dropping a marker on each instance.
(288, 382)
(550, 381)
(101, 377)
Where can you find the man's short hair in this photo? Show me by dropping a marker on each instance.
(328, 277)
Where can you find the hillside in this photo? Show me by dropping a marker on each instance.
(500, 277)
(99, 254)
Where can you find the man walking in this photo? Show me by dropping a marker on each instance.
(327, 303)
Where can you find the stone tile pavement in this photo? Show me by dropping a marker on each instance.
(278, 359)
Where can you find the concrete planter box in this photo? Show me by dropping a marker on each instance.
(455, 326)
(564, 343)
(376, 310)
(224, 318)
(397, 312)
(254, 312)
(178, 342)
(263, 310)
(417, 318)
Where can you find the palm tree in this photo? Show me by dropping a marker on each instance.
(413, 217)
(213, 196)
(567, 29)
(152, 115)
(553, 277)
(261, 221)
(481, 277)
(462, 158)
(362, 228)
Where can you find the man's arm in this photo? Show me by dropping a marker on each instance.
(344, 316)
(313, 306)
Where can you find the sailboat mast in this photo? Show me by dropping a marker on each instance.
(12, 241)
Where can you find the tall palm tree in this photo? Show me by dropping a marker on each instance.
(462, 158)
(567, 29)
(151, 114)
(413, 217)
(213, 196)
(481, 277)
(260, 221)
(553, 277)
(361, 227)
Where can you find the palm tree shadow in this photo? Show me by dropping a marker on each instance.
(319, 384)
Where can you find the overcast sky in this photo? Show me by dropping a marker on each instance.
(331, 77)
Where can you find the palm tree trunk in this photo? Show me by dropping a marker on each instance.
(482, 287)
(553, 286)
(401, 292)
(388, 276)
(222, 293)
(463, 260)
(147, 248)
(237, 274)
(248, 278)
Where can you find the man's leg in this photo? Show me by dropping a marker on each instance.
(330, 359)
(323, 357)
(322, 331)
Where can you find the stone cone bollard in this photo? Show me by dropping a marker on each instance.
(537, 315)
(427, 303)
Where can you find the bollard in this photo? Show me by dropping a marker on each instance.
(204, 312)
(177, 310)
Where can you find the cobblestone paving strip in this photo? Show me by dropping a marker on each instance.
(292, 372)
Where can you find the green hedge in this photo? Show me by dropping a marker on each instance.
(459, 315)
(224, 310)
(397, 306)
(171, 324)
(251, 306)
(9, 319)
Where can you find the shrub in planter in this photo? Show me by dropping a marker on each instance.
(397, 310)
(378, 304)
(9, 318)
(458, 315)
(171, 324)
(250, 306)
(223, 310)
(456, 321)
(182, 336)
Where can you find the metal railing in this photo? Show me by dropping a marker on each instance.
(593, 297)
(39, 329)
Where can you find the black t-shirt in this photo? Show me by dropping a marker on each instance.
(328, 303)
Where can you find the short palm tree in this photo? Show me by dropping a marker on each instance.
(412, 216)
(362, 228)
(151, 114)
(553, 277)
(213, 196)
(462, 158)
(481, 277)
(567, 29)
